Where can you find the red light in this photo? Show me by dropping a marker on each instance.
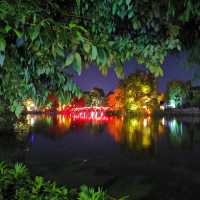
(97, 114)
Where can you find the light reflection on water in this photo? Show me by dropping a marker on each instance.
(137, 133)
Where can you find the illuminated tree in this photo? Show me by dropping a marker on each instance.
(140, 92)
(78, 102)
(177, 92)
(95, 97)
(115, 99)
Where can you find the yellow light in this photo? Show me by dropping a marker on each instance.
(147, 110)
(30, 120)
(163, 121)
(145, 122)
(30, 106)
(145, 89)
(146, 140)
(162, 108)
(133, 107)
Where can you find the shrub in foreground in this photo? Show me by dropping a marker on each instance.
(16, 183)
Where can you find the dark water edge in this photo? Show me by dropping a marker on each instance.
(190, 112)
(163, 171)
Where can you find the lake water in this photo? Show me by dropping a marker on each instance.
(137, 156)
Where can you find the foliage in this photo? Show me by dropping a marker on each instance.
(140, 92)
(42, 42)
(78, 102)
(16, 183)
(95, 97)
(90, 194)
(177, 91)
(193, 97)
(115, 99)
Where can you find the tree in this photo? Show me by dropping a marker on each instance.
(78, 102)
(40, 40)
(115, 99)
(95, 97)
(193, 97)
(140, 92)
(177, 91)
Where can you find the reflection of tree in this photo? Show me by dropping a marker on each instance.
(53, 125)
(22, 128)
(136, 132)
(114, 128)
(139, 133)
(94, 127)
(182, 133)
(11, 149)
(176, 132)
(13, 141)
(161, 126)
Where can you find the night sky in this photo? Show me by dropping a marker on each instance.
(174, 69)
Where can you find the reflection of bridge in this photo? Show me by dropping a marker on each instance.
(87, 113)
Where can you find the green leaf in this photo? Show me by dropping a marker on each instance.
(2, 43)
(40, 70)
(78, 4)
(53, 50)
(155, 69)
(128, 2)
(66, 87)
(18, 33)
(60, 52)
(34, 32)
(114, 8)
(119, 71)
(77, 63)
(103, 69)
(2, 59)
(86, 47)
(17, 108)
(75, 26)
(102, 57)
(130, 14)
(94, 52)
(7, 28)
(69, 60)
(120, 2)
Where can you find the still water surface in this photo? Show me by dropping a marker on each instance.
(138, 156)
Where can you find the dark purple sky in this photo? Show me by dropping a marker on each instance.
(174, 69)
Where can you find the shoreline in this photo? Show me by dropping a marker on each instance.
(190, 112)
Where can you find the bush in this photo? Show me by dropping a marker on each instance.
(16, 183)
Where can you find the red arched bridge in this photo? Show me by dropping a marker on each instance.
(87, 113)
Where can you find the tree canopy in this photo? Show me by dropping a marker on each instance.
(42, 40)
(177, 92)
(140, 92)
(115, 99)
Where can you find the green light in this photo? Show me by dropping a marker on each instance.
(172, 103)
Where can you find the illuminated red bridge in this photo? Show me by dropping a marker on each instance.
(87, 113)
